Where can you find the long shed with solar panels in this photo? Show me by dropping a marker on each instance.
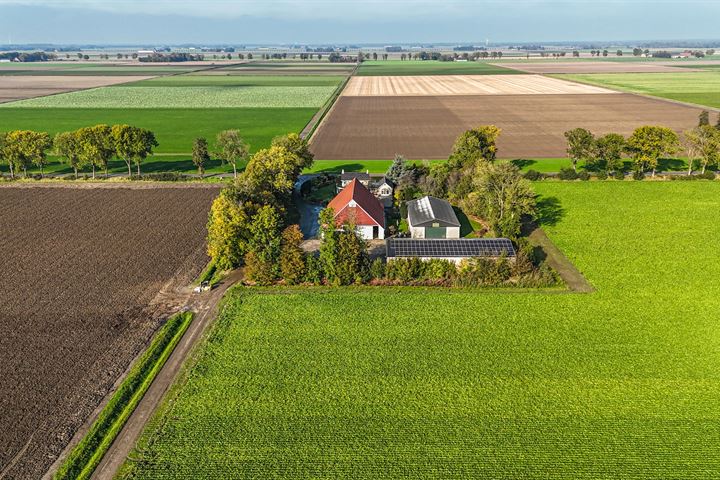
(453, 250)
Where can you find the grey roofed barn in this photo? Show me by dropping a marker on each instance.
(430, 211)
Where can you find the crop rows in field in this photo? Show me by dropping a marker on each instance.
(415, 383)
(80, 270)
(185, 97)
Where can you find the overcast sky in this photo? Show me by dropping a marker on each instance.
(340, 21)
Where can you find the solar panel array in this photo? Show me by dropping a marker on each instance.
(448, 248)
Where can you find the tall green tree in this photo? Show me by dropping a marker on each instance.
(231, 148)
(477, 144)
(648, 144)
(501, 197)
(3, 155)
(200, 154)
(580, 145)
(298, 146)
(397, 169)
(24, 148)
(703, 145)
(68, 147)
(98, 146)
(228, 229)
(263, 255)
(133, 145)
(292, 257)
(609, 151)
(270, 176)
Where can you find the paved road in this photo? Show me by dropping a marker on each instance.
(205, 307)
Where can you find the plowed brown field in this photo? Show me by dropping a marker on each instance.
(378, 127)
(31, 86)
(81, 275)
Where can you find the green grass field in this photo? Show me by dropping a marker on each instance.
(175, 128)
(429, 67)
(701, 88)
(422, 383)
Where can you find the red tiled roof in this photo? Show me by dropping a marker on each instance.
(368, 209)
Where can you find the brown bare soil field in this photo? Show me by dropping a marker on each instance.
(361, 128)
(465, 85)
(87, 275)
(30, 86)
(592, 67)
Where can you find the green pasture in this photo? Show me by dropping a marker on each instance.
(175, 128)
(430, 67)
(701, 88)
(441, 383)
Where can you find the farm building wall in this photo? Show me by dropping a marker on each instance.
(450, 232)
(366, 232)
(455, 260)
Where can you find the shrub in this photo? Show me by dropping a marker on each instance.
(440, 270)
(292, 259)
(602, 175)
(567, 174)
(638, 175)
(377, 269)
(708, 175)
(584, 176)
(313, 269)
(405, 270)
(258, 270)
(619, 175)
(533, 175)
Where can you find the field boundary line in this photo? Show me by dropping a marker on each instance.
(206, 310)
(575, 281)
(319, 118)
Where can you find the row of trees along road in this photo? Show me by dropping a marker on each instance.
(645, 147)
(94, 147)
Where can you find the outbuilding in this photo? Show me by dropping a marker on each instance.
(453, 250)
(357, 205)
(431, 217)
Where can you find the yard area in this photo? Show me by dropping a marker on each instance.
(430, 383)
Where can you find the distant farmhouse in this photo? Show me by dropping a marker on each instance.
(380, 186)
(431, 217)
(357, 205)
(453, 250)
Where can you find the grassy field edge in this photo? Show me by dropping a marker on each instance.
(85, 457)
(160, 416)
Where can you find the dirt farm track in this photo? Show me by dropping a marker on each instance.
(87, 275)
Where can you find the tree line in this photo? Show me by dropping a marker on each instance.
(94, 147)
(645, 147)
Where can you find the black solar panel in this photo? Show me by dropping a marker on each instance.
(463, 247)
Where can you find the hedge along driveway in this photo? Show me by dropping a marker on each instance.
(184, 97)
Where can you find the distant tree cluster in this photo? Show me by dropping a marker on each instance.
(171, 57)
(27, 56)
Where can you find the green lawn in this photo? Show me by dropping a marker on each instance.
(175, 128)
(430, 383)
(701, 88)
(430, 67)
